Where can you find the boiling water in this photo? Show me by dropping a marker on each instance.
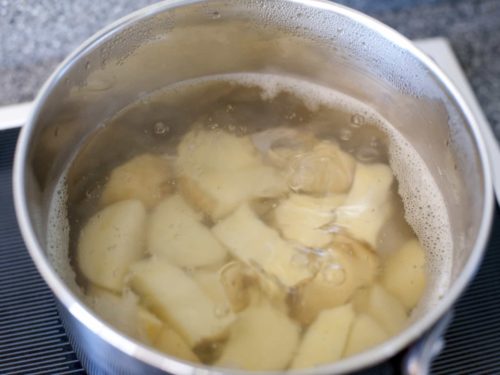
(249, 105)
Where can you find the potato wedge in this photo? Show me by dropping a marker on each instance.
(148, 325)
(302, 218)
(256, 244)
(381, 305)
(365, 333)
(404, 274)
(144, 177)
(346, 266)
(110, 242)
(366, 207)
(325, 339)
(176, 298)
(176, 232)
(171, 343)
(262, 338)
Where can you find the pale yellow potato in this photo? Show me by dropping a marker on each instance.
(218, 171)
(346, 266)
(305, 219)
(256, 244)
(325, 339)
(325, 169)
(171, 343)
(110, 242)
(148, 325)
(366, 207)
(262, 338)
(178, 300)
(144, 177)
(404, 274)
(381, 305)
(365, 333)
(176, 231)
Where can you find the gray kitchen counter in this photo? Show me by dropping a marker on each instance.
(36, 35)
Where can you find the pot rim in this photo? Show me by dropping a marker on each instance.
(164, 362)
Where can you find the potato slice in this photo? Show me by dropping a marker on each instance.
(325, 339)
(149, 326)
(254, 243)
(144, 177)
(386, 309)
(404, 274)
(346, 266)
(302, 218)
(218, 171)
(179, 301)
(365, 333)
(171, 343)
(325, 169)
(366, 207)
(110, 242)
(176, 232)
(262, 338)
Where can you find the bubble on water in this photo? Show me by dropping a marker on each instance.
(216, 15)
(367, 154)
(357, 120)
(345, 134)
(334, 273)
(160, 128)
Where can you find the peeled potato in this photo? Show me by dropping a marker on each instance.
(176, 231)
(324, 169)
(303, 218)
(262, 338)
(176, 298)
(149, 326)
(346, 266)
(386, 309)
(366, 207)
(404, 274)
(169, 342)
(256, 244)
(325, 339)
(365, 333)
(218, 171)
(144, 177)
(110, 242)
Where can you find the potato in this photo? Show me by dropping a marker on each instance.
(325, 339)
(236, 280)
(386, 309)
(144, 177)
(110, 242)
(365, 333)
(346, 266)
(179, 301)
(149, 326)
(262, 338)
(404, 274)
(325, 169)
(366, 207)
(171, 343)
(218, 171)
(254, 243)
(176, 231)
(303, 218)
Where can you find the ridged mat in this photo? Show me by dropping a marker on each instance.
(33, 341)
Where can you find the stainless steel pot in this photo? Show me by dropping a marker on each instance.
(318, 41)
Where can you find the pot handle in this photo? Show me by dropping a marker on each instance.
(418, 359)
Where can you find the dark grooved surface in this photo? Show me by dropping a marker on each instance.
(33, 341)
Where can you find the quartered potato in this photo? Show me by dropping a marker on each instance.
(381, 305)
(254, 243)
(144, 177)
(176, 231)
(325, 169)
(365, 333)
(149, 326)
(171, 343)
(325, 339)
(304, 218)
(404, 274)
(366, 207)
(262, 338)
(345, 266)
(176, 298)
(110, 242)
(218, 171)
